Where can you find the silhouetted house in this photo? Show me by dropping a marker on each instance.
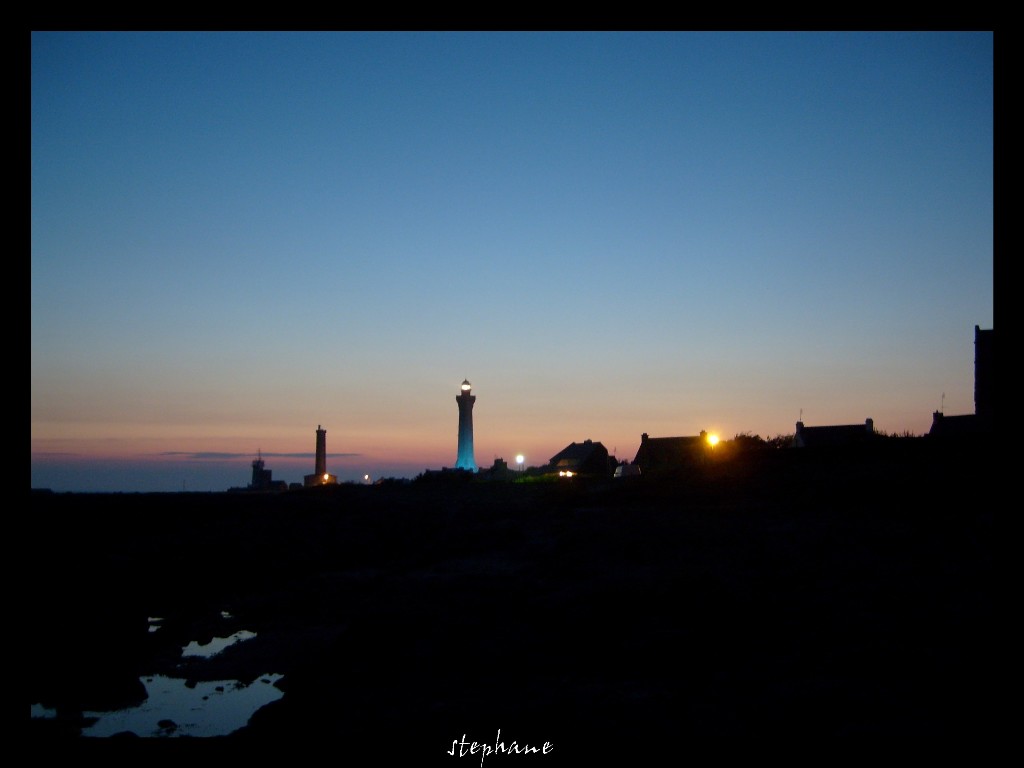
(498, 471)
(658, 455)
(982, 420)
(835, 436)
(586, 458)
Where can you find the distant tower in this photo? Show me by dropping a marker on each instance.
(257, 469)
(465, 401)
(321, 451)
(260, 476)
(320, 475)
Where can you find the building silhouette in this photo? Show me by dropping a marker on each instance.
(662, 455)
(260, 476)
(498, 471)
(833, 436)
(586, 459)
(981, 421)
(262, 479)
(320, 474)
(984, 384)
(465, 401)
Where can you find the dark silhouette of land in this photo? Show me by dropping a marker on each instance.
(788, 604)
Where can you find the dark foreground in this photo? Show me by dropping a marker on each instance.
(783, 606)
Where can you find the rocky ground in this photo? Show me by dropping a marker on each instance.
(782, 605)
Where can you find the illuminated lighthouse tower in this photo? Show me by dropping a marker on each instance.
(465, 401)
(320, 474)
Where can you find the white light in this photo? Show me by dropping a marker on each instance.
(520, 458)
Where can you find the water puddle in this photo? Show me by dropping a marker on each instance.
(171, 708)
(216, 645)
(38, 710)
(175, 707)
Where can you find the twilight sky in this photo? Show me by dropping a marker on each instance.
(237, 237)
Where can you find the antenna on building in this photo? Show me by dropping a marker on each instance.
(801, 418)
(942, 403)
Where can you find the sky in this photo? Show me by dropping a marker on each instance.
(237, 237)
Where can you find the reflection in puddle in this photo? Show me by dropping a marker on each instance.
(38, 710)
(216, 645)
(174, 708)
(213, 708)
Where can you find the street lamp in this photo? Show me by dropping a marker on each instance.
(519, 460)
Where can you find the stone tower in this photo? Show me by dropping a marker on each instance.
(465, 400)
(320, 474)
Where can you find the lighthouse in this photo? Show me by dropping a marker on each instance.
(465, 401)
(320, 467)
(320, 474)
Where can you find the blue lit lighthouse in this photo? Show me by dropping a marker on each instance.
(465, 401)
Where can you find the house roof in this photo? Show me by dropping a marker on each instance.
(575, 454)
(668, 450)
(840, 434)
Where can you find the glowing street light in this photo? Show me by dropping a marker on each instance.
(519, 460)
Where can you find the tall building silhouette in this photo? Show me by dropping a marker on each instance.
(320, 474)
(970, 425)
(465, 401)
(984, 385)
(320, 467)
(260, 476)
